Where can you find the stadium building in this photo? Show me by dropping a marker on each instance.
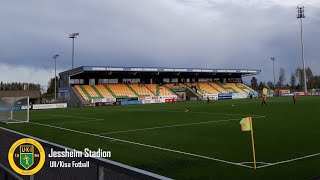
(89, 85)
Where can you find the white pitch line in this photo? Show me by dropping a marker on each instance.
(291, 160)
(145, 145)
(184, 110)
(70, 122)
(77, 117)
(171, 126)
(227, 114)
(253, 162)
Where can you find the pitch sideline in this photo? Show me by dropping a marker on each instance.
(171, 126)
(145, 145)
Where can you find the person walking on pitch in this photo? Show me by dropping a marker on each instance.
(263, 100)
(294, 97)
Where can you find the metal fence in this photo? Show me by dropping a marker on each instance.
(99, 169)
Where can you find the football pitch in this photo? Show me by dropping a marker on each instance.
(194, 140)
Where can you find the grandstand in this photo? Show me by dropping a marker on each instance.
(141, 90)
(88, 84)
(159, 90)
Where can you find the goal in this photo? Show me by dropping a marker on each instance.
(14, 109)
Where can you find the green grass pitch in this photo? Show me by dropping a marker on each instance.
(204, 143)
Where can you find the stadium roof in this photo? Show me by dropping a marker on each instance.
(157, 70)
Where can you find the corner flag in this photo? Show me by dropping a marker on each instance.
(246, 125)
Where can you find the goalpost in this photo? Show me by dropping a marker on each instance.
(14, 109)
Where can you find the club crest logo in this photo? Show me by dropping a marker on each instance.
(26, 156)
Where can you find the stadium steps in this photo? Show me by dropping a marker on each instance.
(81, 92)
(152, 88)
(160, 90)
(157, 90)
(192, 93)
(91, 91)
(178, 87)
(79, 96)
(166, 91)
(97, 91)
(228, 89)
(244, 87)
(103, 90)
(201, 90)
(214, 88)
(121, 90)
(85, 92)
(110, 91)
(236, 88)
(141, 90)
(218, 87)
(134, 92)
(208, 89)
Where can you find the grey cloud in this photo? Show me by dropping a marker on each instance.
(171, 33)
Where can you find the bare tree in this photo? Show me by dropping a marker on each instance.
(270, 85)
(254, 83)
(292, 81)
(282, 77)
(299, 75)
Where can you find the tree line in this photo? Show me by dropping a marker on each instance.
(18, 86)
(295, 81)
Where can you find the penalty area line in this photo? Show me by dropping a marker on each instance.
(144, 145)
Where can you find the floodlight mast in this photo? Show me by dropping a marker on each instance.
(300, 16)
(274, 76)
(55, 75)
(73, 36)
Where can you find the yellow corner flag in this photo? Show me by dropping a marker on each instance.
(246, 125)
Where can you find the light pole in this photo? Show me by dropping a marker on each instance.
(73, 36)
(300, 16)
(55, 75)
(274, 76)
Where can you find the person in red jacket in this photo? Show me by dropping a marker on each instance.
(264, 98)
(294, 97)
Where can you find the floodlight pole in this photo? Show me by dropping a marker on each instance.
(274, 76)
(73, 36)
(55, 75)
(300, 16)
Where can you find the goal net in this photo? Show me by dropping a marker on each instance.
(14, 109)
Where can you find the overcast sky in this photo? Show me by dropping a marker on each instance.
(164, 33)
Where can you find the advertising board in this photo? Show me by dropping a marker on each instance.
(224, 96)
(239, 95)
(211, 96)
(49, 106)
